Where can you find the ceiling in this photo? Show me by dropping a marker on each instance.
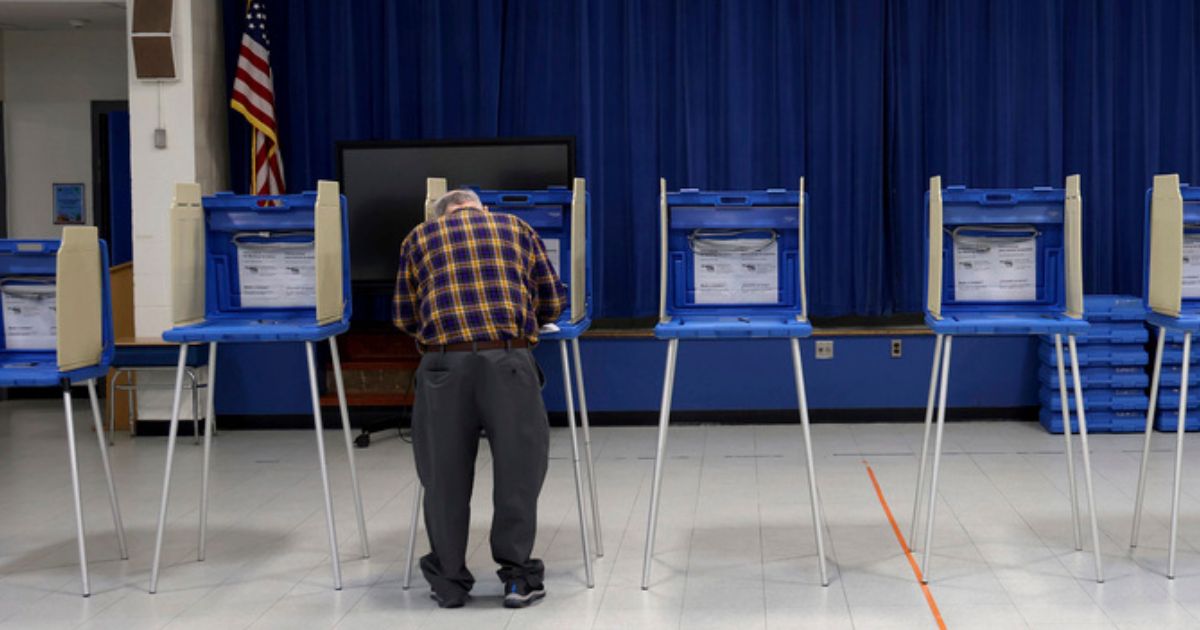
(54, 15)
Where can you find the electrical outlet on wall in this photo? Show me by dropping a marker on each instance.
(897, 348)
(825, 349)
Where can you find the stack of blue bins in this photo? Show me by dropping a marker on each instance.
(1112, 365)
(1167, 411)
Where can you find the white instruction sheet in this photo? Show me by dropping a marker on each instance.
(750, 276)
(30, 318)
(554, 253)
(1191, 265)
(274, 275)
(995, 269)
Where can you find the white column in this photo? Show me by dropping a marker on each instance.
(192, 110)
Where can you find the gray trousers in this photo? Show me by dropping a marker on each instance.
(458, 393)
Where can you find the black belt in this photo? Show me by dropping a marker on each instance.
(476, 346)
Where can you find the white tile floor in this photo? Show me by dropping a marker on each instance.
(735, 547)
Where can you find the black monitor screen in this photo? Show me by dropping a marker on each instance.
(384, 184)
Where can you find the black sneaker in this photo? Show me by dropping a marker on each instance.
(448, 602)
(519, 594)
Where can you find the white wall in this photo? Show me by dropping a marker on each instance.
(50, 79)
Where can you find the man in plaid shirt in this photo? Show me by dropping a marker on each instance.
(474, 288)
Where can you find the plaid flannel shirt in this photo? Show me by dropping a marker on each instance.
(475, 276)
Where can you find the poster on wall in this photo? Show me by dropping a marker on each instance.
(68, 205)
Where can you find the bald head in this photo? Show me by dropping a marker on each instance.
(456, 200)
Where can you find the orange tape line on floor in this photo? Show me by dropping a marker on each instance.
(933, 607)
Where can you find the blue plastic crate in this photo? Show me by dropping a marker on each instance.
(1110, 333)
(1173, 355)
(1131, 377)
(1096, 355)
(1113, 308)
(1172, 376)
(1168, 420)
(1097, 421)
(1175, 338)
(1098, 399)
(1168, 398)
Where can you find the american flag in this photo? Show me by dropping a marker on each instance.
(254, 98)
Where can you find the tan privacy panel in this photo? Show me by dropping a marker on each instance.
(187, 255)
(803, 247)
(79, 299)
(934, 290)
(1072, 226)
(327, 228)
(434, 187)
(662, 248)
(1166, 245)
(578, 249)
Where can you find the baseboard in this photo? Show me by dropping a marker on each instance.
(384, 419)
(376, 419)
(790, 416)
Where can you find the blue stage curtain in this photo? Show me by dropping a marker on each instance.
(866, 98)
(706, 94)
(1023, 93)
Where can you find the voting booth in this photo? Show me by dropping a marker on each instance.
(255, 269)
(57, 317)
(732, 266)
(1004, 262)
(560, 217)
(1172, 298)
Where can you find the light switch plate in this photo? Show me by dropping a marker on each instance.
(825, 349)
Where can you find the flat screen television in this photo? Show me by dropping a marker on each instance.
(384, 184)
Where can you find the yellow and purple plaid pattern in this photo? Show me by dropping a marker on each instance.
(475, 276)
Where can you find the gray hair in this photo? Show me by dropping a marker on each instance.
(454, 197)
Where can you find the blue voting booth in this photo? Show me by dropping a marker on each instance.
(254, 269)
(1172, 299)
(561, 218)
(732, 266)
(1004, 262)
(57, 322)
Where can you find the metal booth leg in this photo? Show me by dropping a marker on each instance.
(1141, 487)
(191, 377)
(937, 458)
(1179, 431)
(171, 433)
(1087, 458)
(587, 450)
(933, 383)
(80, 536)
(664, 417)
(583, 531)
(1069, 449)
(345, 412)
(112, 487)
(209, 413)
(334, 560)
(813, 495)
(110, 387)
(412, 535)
